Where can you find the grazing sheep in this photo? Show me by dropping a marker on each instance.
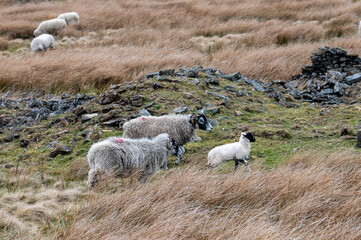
(53, 26)
(238, 151)
(121, 156)
(179, 127)
(70, 17)
(42, 43)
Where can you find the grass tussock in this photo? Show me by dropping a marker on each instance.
(119, 40)
(309, 198)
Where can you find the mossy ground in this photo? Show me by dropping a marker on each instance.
(280, 131)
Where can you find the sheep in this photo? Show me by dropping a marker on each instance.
(70, 17)
(42, 43)
(238, 151)
(53, 26)
(121, 156)
(179, 127)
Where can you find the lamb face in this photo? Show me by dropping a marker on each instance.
(249, 136)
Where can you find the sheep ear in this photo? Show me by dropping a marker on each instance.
(193, 119)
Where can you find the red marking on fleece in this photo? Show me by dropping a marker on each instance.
(143, 118)
(118, 140)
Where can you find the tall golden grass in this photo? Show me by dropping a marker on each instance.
(269, 39)
(310, 197)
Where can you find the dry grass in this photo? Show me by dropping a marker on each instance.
(122, 40)
(310, 197)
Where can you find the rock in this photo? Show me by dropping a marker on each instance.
(24, 143)
(109, 97)
(98, 136)
(188, 95)
(163, 79)
(9, 138)
(257, 85)
(353, 78)
(324, 111)
(149, 105)
(7, 165)
(344, 132)
(230, 88)
(212, 110)
(60, 150)
(213, 122)
(136, 100)
(87, 117)
(277, 96)
(157, 86)
(59, 134)
(115, 86)
(234, 77)
(358, 139)
(52, 144)
(212, 81)
(238, 113)
(168, 72)
(144, 112)
(65, 96)
(114, 122)
(180, 110)
(87, 135)
(151, 75)
(219, 95)
(79, 111)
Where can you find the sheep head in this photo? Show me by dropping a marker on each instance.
(201, 122)
(248, 136)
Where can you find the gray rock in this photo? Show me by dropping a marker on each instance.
(60, 150)
(157, 86)
(168, 72)
(24, 143)
(7, 165)
(212, 81)
(234, 77)
(230, 88)
(358, 142)
(353, 78)
(115, 86)
(144, 112)
(257, 85)
(213, 122)
(151, 75)
(219, 95)
(109, 98)
(87, 117)
(52, 144)
(180, 110)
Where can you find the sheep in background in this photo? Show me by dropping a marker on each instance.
(121, 156)
(53, 26)
(42, 43)
(70, 17)
(238, 151)
(179, 127)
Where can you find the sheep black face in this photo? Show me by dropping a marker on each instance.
(249, 136)
(201, 122)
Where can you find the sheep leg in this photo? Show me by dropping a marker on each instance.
(179, 153)
(236, 164)
(164, 166)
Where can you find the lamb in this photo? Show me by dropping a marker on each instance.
(42, 43)
(53, 26)
(121, 156)
(70, 17)
(179, 127)
(238, 151)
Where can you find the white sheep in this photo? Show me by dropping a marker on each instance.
(181, 128)
(121, 156)
(42, 43)
(238, 151)
(53, 26)
(70, 17)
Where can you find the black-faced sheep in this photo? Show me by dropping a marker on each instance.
(238, 151)
(121, 156)
(70, 17)
(42, 43)
(179, 127)
(53, 26)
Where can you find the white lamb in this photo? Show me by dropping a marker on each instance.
(53, 26)
(70, 17)
(238, 151)
(42, 43)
